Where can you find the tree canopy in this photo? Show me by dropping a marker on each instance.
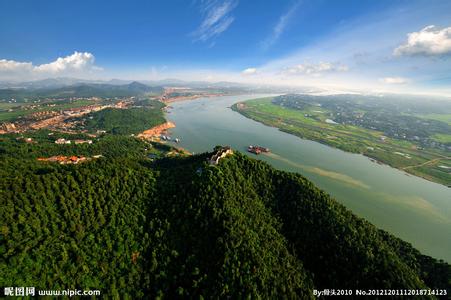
(177, 227)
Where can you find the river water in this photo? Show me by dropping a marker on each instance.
(414, 209)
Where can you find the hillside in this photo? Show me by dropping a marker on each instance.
(179, 227)
(125, 121)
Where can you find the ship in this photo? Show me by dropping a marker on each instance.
(257, 149)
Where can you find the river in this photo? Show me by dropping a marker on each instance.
(414, 209)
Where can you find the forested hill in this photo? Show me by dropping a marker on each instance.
(177, 227)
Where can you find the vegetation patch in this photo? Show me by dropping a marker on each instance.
(307, 118)
(125, 121)
(178, 227)
(439, 117)
(443, 138)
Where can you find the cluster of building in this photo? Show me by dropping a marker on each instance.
(8, 127)
(68, 160)
(219, 154)
(64, 160)
(55, 119)
(27, 140)
(79, 111)
(40, 115)
(76, 142)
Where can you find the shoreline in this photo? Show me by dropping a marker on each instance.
(237, 108)
(188, 98)
(156, 130)
(194, 97)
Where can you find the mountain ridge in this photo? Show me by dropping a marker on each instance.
(178, 227)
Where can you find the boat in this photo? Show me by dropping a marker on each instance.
(257, 149)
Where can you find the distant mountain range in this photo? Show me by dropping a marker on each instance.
(52, 83)
(73, 87)
(49, 89)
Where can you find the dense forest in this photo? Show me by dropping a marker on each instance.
(125, 121)
(178, 227)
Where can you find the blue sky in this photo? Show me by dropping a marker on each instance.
(336, 44)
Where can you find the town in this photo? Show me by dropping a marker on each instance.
(58, 120)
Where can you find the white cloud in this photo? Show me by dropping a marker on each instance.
(428, 41)
(315, 69)
(217, 19)
(394, 80)
(280, 26)
(249, 71)
(11, 66)
(79, 63)
(373, 35)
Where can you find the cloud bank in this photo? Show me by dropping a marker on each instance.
(77, 64)
(11, 66)
(428, 41)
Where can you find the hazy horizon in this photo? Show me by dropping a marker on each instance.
(352, 46)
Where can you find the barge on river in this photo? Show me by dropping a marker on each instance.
(257, 149)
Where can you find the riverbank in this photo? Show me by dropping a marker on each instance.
(410, 207)
(398, 154)
(156, 130)
(187, 98)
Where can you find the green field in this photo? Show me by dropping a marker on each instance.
(444, 138)
(439, 117)
(5, 105)
(311, 124)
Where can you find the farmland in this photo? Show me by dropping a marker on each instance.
(315, 123)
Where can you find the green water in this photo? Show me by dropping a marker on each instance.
(414, 209)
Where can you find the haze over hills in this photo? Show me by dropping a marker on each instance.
(64, 87)
(82, 89)
(52, 83)
(146, 85)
